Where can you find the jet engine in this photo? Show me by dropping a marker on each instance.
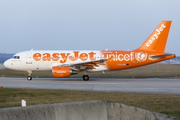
(61, 72)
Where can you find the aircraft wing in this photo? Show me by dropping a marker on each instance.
(86, 65)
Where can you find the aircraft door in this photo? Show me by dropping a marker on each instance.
(134, 60)
(29, 58)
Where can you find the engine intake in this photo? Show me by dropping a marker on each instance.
(61, 72)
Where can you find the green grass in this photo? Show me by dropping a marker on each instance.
(166, 104)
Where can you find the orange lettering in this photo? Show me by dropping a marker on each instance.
(75, 57)
(83, 56)
(37, 56)
(92, 57)
(55, 56)
(46, 57)
(64, 57)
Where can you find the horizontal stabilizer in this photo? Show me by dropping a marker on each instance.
(159, 56)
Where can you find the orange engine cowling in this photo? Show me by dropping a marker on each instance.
(61, 72)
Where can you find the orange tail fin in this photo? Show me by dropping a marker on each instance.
(156, 42)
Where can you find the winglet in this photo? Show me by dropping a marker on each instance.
(156, 42)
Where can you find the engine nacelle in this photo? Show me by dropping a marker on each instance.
(61, 72)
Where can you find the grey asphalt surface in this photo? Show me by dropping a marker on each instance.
(151, 85)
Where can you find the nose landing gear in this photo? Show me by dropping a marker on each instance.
(29, 75)
(29, 78)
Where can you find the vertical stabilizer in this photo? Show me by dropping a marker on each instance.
(156, 42)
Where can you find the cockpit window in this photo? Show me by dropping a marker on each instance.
(16, 57)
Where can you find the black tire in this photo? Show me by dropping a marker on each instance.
(29, 78)
(85, 77)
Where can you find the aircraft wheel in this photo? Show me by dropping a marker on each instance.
(85, 77)
(29, 78)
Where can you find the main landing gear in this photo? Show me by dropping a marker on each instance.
(85, 77)
(29, 75)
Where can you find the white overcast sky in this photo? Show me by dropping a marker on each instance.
(84, 24)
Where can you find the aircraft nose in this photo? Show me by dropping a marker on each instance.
(7, 63)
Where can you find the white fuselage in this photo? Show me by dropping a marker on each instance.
(45, 60)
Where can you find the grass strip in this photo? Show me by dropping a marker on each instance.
(166, 104)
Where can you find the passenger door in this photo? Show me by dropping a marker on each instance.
(29, 58)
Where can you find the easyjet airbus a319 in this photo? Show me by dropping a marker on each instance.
(69, 62)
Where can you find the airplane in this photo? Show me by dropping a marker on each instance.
(64, 63)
